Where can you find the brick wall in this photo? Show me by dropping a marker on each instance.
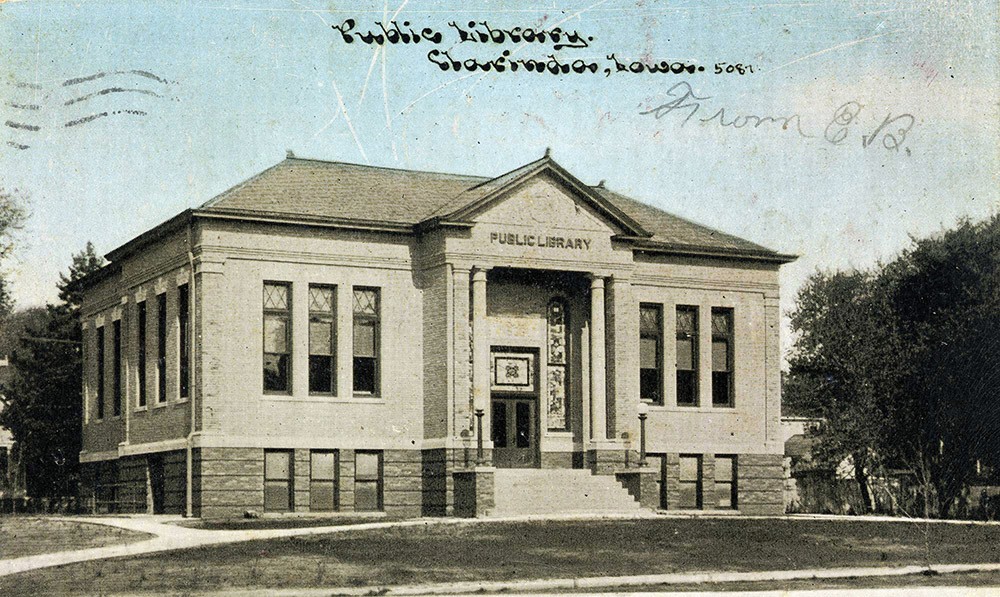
(759, 482)
(230, 481)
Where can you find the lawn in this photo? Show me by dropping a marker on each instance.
(24, 536)
(505, 551)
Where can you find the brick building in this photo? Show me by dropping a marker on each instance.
(333, 337)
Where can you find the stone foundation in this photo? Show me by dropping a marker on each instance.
(436, 482)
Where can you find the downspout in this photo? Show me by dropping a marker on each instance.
(192, 301)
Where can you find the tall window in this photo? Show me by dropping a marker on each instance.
(558, 360)
(322, 340)
(142, 353)
(277, 337)
(366, 340)
(690, 482)
(277, 480)
(650, 353)
(100, 372)
(687, 356)
(116, 346)
(722, 357)
(323, 480)
(725, 481)
(367, 481)
(184, 328)
(161, 348)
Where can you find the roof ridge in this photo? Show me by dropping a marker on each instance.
(390, 168)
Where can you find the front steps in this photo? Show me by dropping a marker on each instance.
(529, 491)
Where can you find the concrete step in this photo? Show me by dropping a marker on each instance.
(555, 491)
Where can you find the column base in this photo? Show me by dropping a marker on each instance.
(608, 457)
(474, 492)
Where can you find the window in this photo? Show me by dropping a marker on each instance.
(366, 340)
(116, 346)
(100, 372)
(161, 348)
(323, 467)
(277, 480)
(142, 353)
(687, 356)
(690, 482)
(725, 481)
(558, 359)
(184, 328)
(367, 481)
(722, 357)
(322, 340)
(277, 337)
(650, 353)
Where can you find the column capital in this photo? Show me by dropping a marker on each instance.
(479, 273)
(596, 280)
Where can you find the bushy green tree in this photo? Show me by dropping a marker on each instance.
(903, 362)
(844, 366)
(43, 395)
(946, 301)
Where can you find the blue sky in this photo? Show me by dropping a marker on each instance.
(238, 83)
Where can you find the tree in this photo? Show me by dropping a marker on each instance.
(903, 362)
(947, 301)
(43, 397)
(843, 366)
(12, 217)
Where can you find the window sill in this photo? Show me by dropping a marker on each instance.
(160, 405)
(140, 409)
(182, 400)
(323, 399)
(692, 409)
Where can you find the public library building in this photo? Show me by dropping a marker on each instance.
(330, 337)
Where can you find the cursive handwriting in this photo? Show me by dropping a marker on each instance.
(892, 131)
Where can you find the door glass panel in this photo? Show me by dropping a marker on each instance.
(523, 424)
(499, 424)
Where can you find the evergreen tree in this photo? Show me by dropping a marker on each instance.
(43, 399)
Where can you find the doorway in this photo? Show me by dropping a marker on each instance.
(515, 432)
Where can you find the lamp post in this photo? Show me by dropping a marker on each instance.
(480, 461)
(643, 413)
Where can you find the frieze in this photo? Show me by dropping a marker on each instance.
(540, 240)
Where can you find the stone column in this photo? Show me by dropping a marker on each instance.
(480, 349)
(598, 369)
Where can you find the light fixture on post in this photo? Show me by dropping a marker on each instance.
(480, 461)
(643, 413)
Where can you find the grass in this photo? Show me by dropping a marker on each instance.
(24, 536)
(962, 579)
(508, 551)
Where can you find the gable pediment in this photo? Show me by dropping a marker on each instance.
(543, 202)
(541, 192)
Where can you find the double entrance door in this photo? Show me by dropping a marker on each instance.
(515, 431)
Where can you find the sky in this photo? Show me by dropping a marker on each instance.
(883, 114)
